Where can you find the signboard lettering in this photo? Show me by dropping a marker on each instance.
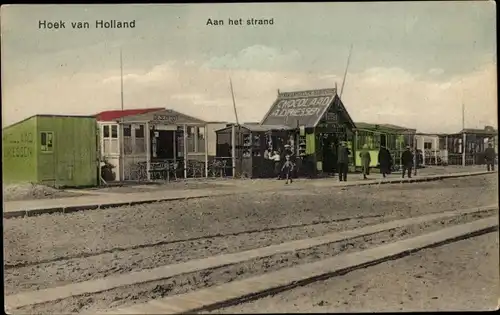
(165, 118)
(308, 94)
(301, 107)
(17, 145)
(25, 137)
(331, 117)
(333, 128)
(17, 152)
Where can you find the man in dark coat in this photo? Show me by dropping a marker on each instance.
(407, 161)
(342, 161)
(384, 160)
(489, 156)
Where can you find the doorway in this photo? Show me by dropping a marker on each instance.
(330, 145)
(162, 147)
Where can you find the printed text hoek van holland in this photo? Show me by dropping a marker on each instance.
(84, 24)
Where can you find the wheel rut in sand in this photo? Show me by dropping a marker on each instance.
(214, 276)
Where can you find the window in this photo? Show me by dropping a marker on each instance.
(127, 139)
(201, 139)
(427, 145)
(127, 131)
(46, 141)
(110, 139)
(106, 131)
(196, 139)
(114, 131)
(140, 141)
(139, 131)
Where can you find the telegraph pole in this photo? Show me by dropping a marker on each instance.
(345, 73)
(121, 78)
(464, 136)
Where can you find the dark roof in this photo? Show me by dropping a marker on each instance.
(303, 108)
(112, 115)
(160, 117)
(480, 131)
(257, 127)
(383, 127)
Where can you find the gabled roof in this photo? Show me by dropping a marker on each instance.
(383, 127)
(163, 116)
(112, 115)
(255, 127)
(480, 131)
(303, 108)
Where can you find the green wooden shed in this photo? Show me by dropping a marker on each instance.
(53, 150)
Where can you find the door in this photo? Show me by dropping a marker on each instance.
(164, 144)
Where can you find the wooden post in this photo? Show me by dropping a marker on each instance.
(436, 147)
(121, 157)
(415, 155)
(206, 151)
(446, 149)
(176, 138)
(147, 136)
(233, 150)
(195, 138)
(354, 146)
(423, 155)
(464, 139)
(184, 129)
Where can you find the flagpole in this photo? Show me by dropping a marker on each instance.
(463, 116)
(345, 73)
(464, 136)
(121, 78)
(120, 130)
(233, 130)
(234, 102)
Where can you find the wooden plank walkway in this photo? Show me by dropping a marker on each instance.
(163, 272)
(242, 291)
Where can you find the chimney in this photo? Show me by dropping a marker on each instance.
(278, 92)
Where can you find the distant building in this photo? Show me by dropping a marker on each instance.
(141, 142)
(110, 135)
(394, 137)
(53, 150)
(470, 152)
(430, 147)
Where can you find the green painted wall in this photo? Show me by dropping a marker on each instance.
(373, 155)
(72, 159)
(310, 143)
(19, 152)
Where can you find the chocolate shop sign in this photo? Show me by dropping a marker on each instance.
(302, 107)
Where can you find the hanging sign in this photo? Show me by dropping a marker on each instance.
(302, 130)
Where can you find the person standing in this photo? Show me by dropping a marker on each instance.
(384, 160)
(407, 161)
(365, 161)
(287, 169)
(489, 156)
(342, 161)
(276, 160)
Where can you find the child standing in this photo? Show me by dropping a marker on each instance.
(287, 169)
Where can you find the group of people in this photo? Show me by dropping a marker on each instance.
(385, 161)
(285, 169)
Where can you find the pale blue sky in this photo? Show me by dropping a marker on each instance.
(425, 44)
